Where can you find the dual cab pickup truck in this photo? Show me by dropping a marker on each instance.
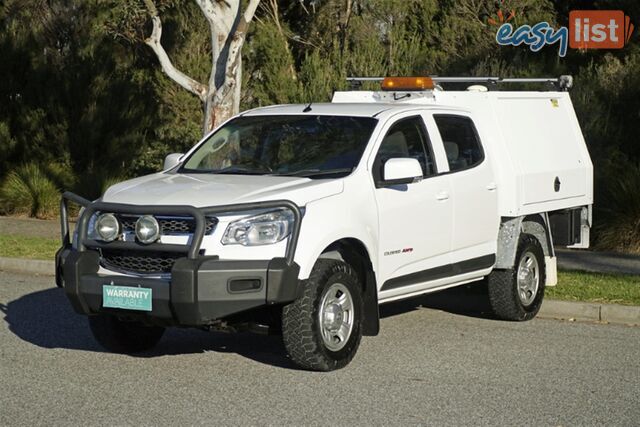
(304, 218)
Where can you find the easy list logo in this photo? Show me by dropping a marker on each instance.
(588, 29)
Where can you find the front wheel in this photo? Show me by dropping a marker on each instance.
(120, 336)
(517, 293)
(322, 329)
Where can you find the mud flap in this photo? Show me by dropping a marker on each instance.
(551, 270)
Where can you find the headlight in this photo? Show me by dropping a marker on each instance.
(147, 229)
(107, 227)
(263, 229)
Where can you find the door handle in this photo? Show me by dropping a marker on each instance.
(441, 196)
(491, 186)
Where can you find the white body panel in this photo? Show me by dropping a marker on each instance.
(424, 233)
(211, 190)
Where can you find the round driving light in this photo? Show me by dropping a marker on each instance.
(107, 227)
(147, 229)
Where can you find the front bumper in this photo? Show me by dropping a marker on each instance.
(199, 292)
(200, 289)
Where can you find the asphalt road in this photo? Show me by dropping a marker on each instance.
(446, 365)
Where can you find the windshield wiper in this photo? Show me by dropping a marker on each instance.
(316, 172)
(240, 170)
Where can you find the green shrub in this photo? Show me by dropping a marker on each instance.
(61, 174)
(617, 219)
(28, 191)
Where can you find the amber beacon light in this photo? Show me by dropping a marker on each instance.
(407, 83)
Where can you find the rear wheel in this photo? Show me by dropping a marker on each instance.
(322, 329)
(517, 293)
(120, 336)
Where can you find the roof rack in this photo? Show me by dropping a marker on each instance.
(562, 83)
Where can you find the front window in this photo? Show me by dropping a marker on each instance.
(407, 138)
(296, 145)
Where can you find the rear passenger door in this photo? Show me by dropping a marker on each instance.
(474, 193)
(414, 219)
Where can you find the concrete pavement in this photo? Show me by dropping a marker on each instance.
(428, 366)
(32, 266)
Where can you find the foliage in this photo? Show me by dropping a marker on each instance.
(75, 97)
(27, 190)
(86, 99)
(618, 211)
(270, 68)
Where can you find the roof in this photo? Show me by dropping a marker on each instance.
(347, 109)
(368, 109)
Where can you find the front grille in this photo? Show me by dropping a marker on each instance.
(140, 262)
(169, 224)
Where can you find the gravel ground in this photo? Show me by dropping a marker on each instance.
(450, 364)
(30, 227)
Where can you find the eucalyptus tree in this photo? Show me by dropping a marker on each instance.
(228, 24)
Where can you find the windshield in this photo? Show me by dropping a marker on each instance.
(297, 145)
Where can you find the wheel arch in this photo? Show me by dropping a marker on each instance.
(355, 253)
(536, 225)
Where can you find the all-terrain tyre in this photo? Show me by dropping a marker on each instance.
(121, 336)
(322, 329)
(517, 293)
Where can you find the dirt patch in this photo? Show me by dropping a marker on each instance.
(12, 226)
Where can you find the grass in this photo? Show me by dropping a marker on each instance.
(596, 287)
(28, 247)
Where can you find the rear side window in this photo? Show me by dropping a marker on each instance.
(406, 138)
(460, 139)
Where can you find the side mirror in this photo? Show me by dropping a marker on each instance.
(401, 171)
(172, 160)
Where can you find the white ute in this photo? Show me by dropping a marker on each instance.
(304, 218)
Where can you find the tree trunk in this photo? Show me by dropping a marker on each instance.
(228, 25)
(218, 109)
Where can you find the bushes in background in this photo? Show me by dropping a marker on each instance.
(617, 212)
(28, 190)
(34, 190)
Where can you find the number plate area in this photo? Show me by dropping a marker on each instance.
(126, 297)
